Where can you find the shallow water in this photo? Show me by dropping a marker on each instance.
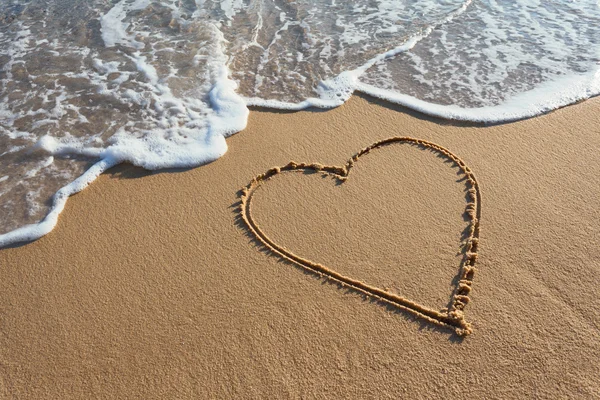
(162, 83)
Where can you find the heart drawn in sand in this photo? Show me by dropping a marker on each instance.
(451, 317)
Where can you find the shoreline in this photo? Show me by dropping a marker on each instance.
(31, 232)
(149, 288)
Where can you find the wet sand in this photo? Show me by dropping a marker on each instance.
(151, 286)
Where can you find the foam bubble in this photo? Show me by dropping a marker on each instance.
(115, 28)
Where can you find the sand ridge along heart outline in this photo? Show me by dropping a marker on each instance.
(452, 317)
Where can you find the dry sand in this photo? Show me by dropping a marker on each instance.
(151, 287)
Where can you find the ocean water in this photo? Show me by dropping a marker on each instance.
(87, 84)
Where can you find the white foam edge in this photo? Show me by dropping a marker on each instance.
(175, 156)
(231, 116)
(545, 98)
(32, 232)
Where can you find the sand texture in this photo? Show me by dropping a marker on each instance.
(157, 285)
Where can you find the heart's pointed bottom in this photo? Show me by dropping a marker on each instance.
(452, 318)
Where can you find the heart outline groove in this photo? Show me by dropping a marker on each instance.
(452, 317)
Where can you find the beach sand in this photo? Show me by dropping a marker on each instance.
(152, 287)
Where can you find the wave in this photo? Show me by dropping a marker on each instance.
(161, 84)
